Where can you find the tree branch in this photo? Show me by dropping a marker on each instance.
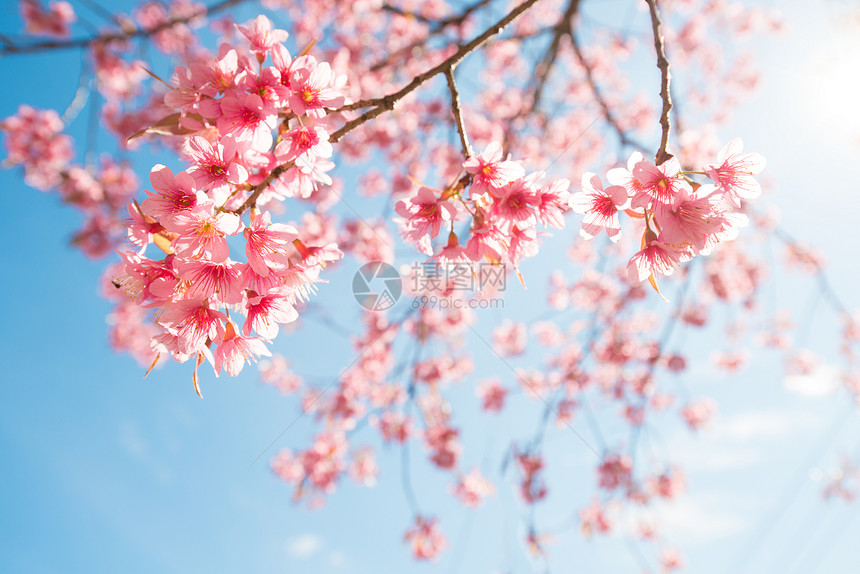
(598, 95)
(260, 187)
(437, 27)
(544, 67)
(387, 103)
(458, 113)
(11, 48)
(455, 20)
(663, 65)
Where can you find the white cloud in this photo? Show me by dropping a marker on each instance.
(717, 458)
(757, 425)
(821, 382)
(304, 546)
(337, 559)
(704, 517)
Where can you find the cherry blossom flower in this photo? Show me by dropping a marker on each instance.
(248, 118)
(235, 350)
(734, 172)
(267, 244)
(200, 233)
(659, 184)
(311, 87)
(655, 257)
(594, 518)
(600, 207)
(489, 171)
(265, 312)
(424, 214)
(193, 321)
(215, 167)
(472, 488)
(261, 35)
(172, 194)
(51, 22)
(425, 538)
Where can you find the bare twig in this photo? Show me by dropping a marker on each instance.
(13, 48)
(623, 137)
(823, 281)
(387, 103)
(544, 67)
(261, 187)
(437, 27)
(663, 65)
(455, 20)
(458, 113)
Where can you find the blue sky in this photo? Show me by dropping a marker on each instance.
(104, 471)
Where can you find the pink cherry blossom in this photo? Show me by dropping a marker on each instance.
(261, 35)
(311, 84)
(472, 488)
(654, 258)
(235, 350)
(267, 244)
(600, 207)
(193, 321)
(51, 22)
(734, 172)
(215, 167)
(424, 214)
(172, 194)
(248, 118)
(658, 184)
(425, 538)
(489, 171)
(265, 312)
(202, 233)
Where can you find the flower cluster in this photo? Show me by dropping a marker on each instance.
(504, 203)
(682, 218)
(239, 119)
(255, 126)
(34, 141)
(426, 538)
(51, 21)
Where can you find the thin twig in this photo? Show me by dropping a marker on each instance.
(823, 281)
(260, 187)
(458, 113)
(387, 103)
(455, 20)
(598, 95)
(11, 48)
(663, 65)
(544, 67)
(437, 27)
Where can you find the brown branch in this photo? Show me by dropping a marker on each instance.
(663, 65)
(261, 187)
(823, 281)
(387, 103)
(455, 20)
(544, 67)
(11, 48)
(598, 95)
(437, 28)
(458, 113)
